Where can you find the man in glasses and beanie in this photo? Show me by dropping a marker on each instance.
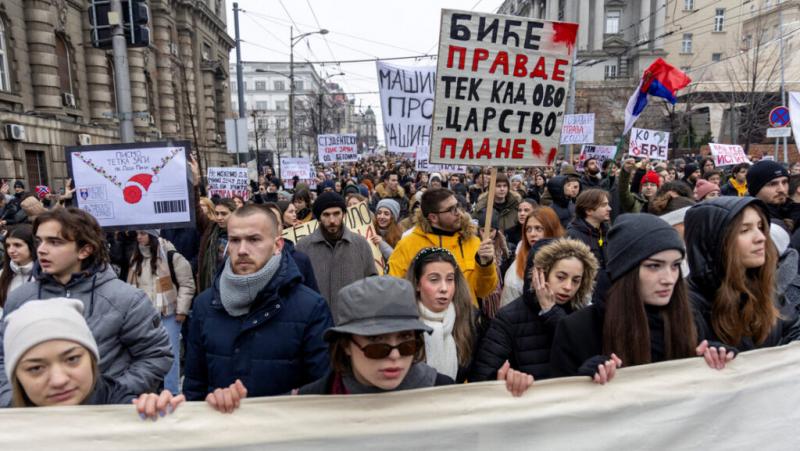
(338, 256)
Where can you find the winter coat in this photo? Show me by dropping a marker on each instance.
(629, 202)
(185, 241)
(595, 238)
(108, 391)
(706, 226)
(134, 346)
(506, 213)
(303, 265)
(787, 284)
(336, 266)
(168, 300)
(463, 245)
(22, 274)
(564, 207)
(274, 348)
(729, 189)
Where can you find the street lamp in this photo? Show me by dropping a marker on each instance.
(293, 40)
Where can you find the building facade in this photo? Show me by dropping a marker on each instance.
(56, 90)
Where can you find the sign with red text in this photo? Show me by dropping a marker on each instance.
(652, 144)
(228, 182)
(501, 87)
(337, 148)
(578, 129)
(727, 154)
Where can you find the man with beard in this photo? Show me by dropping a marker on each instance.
(769, 181)
(591, 171)
(339, 257)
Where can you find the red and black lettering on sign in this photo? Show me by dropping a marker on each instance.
(502, 85)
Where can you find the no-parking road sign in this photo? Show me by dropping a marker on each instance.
(779, 117)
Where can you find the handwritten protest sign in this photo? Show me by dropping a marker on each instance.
(337, 148)
(422, 164)
(653, 144)
(727, 154)
(357, 219)
(228, 182)
(133, 186)
(500, 91)
(578, 129)
(599, 153)
(299, 167)
(406, 105)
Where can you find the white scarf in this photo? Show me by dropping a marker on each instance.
(440, 346)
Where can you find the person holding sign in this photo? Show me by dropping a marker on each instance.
(73, 257)
(644, 317)
(442, 223)
(648, 186)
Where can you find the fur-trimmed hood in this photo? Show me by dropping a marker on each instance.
(551, 252)
(383, 191)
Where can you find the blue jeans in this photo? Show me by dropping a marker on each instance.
(172, 381)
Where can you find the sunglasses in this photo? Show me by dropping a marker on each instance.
(382, 350)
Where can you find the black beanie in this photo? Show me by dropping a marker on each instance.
(762, 173)
(636, 237)
(326, 200)
(689, 169)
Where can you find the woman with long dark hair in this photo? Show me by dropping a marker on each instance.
(19, 261)
(733, 264)
(646, 316)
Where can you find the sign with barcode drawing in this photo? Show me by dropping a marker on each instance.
(134, 186)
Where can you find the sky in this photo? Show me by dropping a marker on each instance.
(358, 29)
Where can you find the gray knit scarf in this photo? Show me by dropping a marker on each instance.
(238, 292)
(419, 375)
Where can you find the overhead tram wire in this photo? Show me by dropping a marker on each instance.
(316, 20)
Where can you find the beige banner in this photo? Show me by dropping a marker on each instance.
(357, 219)
(679, 405)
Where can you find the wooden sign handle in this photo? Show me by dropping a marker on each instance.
(487, 226)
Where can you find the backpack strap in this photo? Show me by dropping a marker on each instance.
(171, 265)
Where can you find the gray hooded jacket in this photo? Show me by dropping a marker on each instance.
(133, 344)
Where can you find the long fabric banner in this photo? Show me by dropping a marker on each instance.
(679, 405)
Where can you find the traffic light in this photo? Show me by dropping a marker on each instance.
(135, 18)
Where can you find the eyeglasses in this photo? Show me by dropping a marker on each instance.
(452, 210)
(382, 350)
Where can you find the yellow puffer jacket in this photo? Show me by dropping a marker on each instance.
(482, 279)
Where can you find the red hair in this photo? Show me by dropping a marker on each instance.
(548, 218)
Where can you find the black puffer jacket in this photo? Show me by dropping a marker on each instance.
(520, 334)
(564, 207)
(706, 226)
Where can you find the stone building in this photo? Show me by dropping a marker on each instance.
(56, 90)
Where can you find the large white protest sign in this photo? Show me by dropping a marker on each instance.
(406, 105)
(599, 153)
(727, 154)
(676, 405)
(228, 182)
(653, 144)
(299, 167)
(422, 164)
(578, 129)
(501, 86)
(337, 148)
(134, 186)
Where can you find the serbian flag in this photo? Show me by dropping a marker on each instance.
(660, 80)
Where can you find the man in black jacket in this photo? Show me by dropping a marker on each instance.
(592, 214)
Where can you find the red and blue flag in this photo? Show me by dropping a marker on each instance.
(660, 80)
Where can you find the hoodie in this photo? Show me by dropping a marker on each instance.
(706, 226)
(563, 206)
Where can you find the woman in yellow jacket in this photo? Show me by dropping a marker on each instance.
(442, 223)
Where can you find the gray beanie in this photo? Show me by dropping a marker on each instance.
(391, 205)
(636, 237)
(153, 232)
(39, 321)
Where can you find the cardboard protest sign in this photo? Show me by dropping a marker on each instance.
(599, 153)
(406, 105)
(727, 154)
(228, 182)
(578, 129)
(337, 148)
(422, 164)
(501, 87)
(653, 144)
(357, 219)
(300, 167)
(134, 186)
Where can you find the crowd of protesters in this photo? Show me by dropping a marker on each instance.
(586, 267)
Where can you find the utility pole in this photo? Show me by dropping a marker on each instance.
(122, 78)
(239, 79)
(256, 134)
(291, 91)
(783, 85)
